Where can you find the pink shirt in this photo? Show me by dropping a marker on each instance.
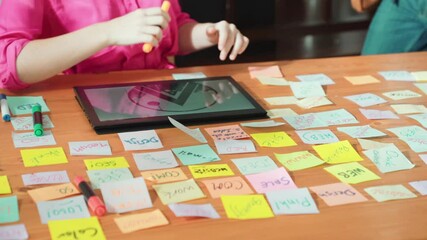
(24, 20)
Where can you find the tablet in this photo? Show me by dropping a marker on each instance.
(146, 105)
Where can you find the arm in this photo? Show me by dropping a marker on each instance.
(197, 36)
(44, 58)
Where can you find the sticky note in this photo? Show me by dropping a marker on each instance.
(292, 201)
(408, 108)
(422, 87)
(364, 131)
(262, 124)
(214, 170)
(307, 89)
(196, 154)
(98, 177)
(267, 71)
(273, 81)
(298, 160)
(53, 192)
(164, 175)
(366, 99)
(235, 146)
(194, 133)
(178, 191)
(389, 192)
(338, 194)
(273, 139)
(369, 144)
(246, 207)
(43, 156)
(254, 164)
(305, 121)
(418, 75)
(388, 159)
(194, 210)
(378, 114)
(421, 118)
(185, 76)
(273, 180)
(352, 173)
(311, 102)
(9, 211)
(317, 136)
(16, 231)
(45, 178)
(82, 228)
(68, 208)
(126, 196)
(155, 160)
(26, 123)
(285, 100)
(4, 185)
(321, 78)
(408, 131)
(397, 76)
(140, 140)
(226, 132)
(19, 105)
(106, 163)
(336, 117)
(420, 186)
(227, 186)
(135, 222)
(85, 148)
(280, 112)
(28, 139)
(361, 80)
(339, 152)
(401, 94)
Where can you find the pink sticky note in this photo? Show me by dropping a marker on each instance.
(338, 194)
(274, 180)
(270, 71)
(227, 132)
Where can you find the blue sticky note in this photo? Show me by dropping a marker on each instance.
(97, 177)
(68, 208)
(23, 105)
(196, 154)
(9, 211)
(320, 77)
(254, 164)
(292, 201)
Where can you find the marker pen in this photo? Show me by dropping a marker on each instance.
(147, 47)
(37, 120)
(94, 202)
(4, 108)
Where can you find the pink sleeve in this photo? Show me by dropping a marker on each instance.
(181, 17)
(20, 22)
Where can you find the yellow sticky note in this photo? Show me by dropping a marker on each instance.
(43, 156)
(214, 170)
(140, 221)
(164, 175)
(338, 152)
(105, 163)
(360, 80)
(273, 139)
(352, 173)
(420, 75)
(178, 191)
(53, 192)
(81, 228)
(298, 160)
(246, 207)
(4, 185)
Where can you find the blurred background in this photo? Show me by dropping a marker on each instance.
(283, 29)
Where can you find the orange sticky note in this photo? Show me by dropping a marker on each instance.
(338, 194)
(360, 80)
(227, 186)
(53, 192)
(140, 221)
(227, 132)
(164, 175)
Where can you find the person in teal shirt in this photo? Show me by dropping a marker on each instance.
(398, 26)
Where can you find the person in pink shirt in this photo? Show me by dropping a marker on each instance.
(41, 38)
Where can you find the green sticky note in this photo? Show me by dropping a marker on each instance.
(196, 154)
(246, 207)
(352, 173)
(389, 159)
(390, 192)
(178, 191)
(23, 105)
(298, 160)
(9, 211)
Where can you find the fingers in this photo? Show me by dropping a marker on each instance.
(230, 40)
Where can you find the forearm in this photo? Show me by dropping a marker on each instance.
(192, 37)
(44, 58)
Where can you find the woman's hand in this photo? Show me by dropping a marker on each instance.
(229, 39)
(139, 26)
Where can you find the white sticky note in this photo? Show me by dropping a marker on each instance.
(13, 232)
(235, 146)
(194, 210)
(194, 133)
(402, 94)
(366, 99)
(140, 140)
(262, 124)
(292, 201)
(28, 139)
(378, 114)
(397, 76)
(285, 100)
(45, 178)
(420, 186)
(323, 79)
(155, 160)
(280, 112)
(273, 81)
(88, 148)
(307, 89)
(68, 208)
(26, 123)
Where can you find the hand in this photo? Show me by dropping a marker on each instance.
(218, 91)
(139, 26)
(227, 36)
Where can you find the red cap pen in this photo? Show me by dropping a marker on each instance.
(94, 202)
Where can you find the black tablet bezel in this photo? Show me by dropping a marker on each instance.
(114, 126)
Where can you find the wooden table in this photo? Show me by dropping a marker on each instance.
(403, 219)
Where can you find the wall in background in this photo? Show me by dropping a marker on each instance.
(283, 29)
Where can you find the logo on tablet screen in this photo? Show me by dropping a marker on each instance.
(174, 97)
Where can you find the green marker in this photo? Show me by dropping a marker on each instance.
(37, 120)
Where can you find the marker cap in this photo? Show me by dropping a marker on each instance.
(36, 108)
(38, 130)
(97, 206)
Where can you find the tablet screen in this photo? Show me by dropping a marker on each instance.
(152, 102)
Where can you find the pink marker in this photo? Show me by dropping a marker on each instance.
(94, 202)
